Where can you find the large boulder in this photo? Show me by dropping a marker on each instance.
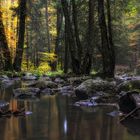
(26, 92)
(89, 88)
(129, 85)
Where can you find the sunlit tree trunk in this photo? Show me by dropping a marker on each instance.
(4, 46)
(21, 33)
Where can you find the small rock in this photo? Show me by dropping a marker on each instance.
(4, 77)
(85, 103)
(46, 91)
(44, 78)
(77, 80)
(29, 78)
(115, 113)
(59, 80)
(4, 105)
(66, 88)
(44, 84)
(26, 92)
(7, 82)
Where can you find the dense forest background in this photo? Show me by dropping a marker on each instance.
(79, 36)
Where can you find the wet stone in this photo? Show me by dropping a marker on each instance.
(4, 105)
(26, 92)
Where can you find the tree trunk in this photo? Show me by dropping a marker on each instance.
(112, 49)
(76, 30)
(66, 60)
(27, 49)
(20, 44)
(59, 32)
(72, 45)
(4, 46)
(47, 27)
(87, 62)
(106, 48)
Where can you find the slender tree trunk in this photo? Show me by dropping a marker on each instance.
(59, 32)
(106, 49)
(4, 46)
(1, 60)
(87, 62)
(20, 44)
(110, 36)
(47, 27)
(76, 30)
(27, 49)
(66, 60)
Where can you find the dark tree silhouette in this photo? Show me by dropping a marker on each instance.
(21, 32)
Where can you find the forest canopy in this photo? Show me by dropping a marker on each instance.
(79, 36)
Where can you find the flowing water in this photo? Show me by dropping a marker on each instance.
(54, 118)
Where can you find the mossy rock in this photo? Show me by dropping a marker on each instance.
(89, 88)
(129, 86)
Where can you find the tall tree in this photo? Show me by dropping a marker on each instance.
(4, 46)
(87, 62)
(47, 26)
(66, 55)
(110, 35)
(81, 55)
(106, 47)
(71, 38)
(76, 30)
(21, 33)
(59, 31)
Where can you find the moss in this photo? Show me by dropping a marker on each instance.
(11, 73)
(55, 73)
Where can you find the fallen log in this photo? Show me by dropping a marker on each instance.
(129, 104)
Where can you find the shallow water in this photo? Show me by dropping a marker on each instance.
(54, 118)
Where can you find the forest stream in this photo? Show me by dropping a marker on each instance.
(70, 70)
(55, 118)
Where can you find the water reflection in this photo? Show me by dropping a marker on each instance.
(65, 126)
(54, 118)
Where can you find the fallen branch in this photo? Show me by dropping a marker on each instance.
(129, 114)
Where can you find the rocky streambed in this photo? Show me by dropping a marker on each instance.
(85, 91)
